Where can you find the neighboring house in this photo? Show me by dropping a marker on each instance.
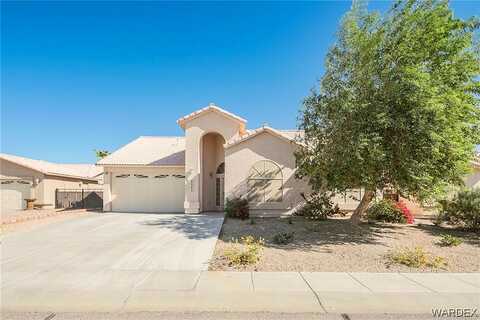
(23, 178)
(218, 158)
(473, 179)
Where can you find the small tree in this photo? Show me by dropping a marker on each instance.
(397, 106)
(100, 154)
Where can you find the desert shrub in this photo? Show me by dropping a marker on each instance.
(447, 240)
(416, 258)
(318, 206)
(245, 252)
(385, 210)
(237, 208)
(283, 237)
(463, 210)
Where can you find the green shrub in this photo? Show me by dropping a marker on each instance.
(237, 208)
(463, 210)
(318, 206)
(252, 221)
(385, 210)
(416, 258)
(245, 252)
(283, 237)
(447, 240)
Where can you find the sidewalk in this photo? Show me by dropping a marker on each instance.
(131, 291)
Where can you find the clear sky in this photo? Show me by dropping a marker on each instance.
(78, 76)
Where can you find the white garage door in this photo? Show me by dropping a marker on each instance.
(12, 193)
(160, 192)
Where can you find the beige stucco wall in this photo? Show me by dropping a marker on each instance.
(213, 155)
(195, 129)
(241, 157)
(49, 184)
(349, 200)
(109, 171)
(473, 179)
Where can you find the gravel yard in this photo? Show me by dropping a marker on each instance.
(28, 220)
(336, 245)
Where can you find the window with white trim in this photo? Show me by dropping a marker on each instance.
(265, 182)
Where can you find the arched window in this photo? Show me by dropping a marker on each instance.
(265, 182)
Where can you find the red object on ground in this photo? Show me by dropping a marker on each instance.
(406, 212)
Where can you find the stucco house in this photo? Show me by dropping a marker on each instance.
(217, 158)
(23, 178)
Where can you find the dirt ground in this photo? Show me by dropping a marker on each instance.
(336, 245)
(44, 218)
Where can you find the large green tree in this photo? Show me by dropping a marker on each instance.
(397, 106)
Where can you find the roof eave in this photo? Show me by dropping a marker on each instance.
(23, 165)
(183, 120)
(270, 130)
(69, 176)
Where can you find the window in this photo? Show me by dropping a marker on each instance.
(217, 192)
(161, 176)
(23, 182)
(265, 182)
(179, 176)
(123, 176)
(142, 176)
(7, 182)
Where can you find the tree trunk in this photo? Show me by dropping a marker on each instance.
(362, 206)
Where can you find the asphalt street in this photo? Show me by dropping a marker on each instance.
(209, 316)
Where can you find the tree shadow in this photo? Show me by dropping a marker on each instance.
(195, 227)
(319, 236)
(469, 237)
(288, 194)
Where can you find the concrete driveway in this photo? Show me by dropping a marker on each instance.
(99, 245)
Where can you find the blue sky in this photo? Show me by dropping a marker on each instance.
(78, 76)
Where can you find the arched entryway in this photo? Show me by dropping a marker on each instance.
(213, 172)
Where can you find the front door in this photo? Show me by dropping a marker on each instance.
(219, 191)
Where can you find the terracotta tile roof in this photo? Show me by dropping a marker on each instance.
(209, 108)
(77, 170)
(149, 151)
